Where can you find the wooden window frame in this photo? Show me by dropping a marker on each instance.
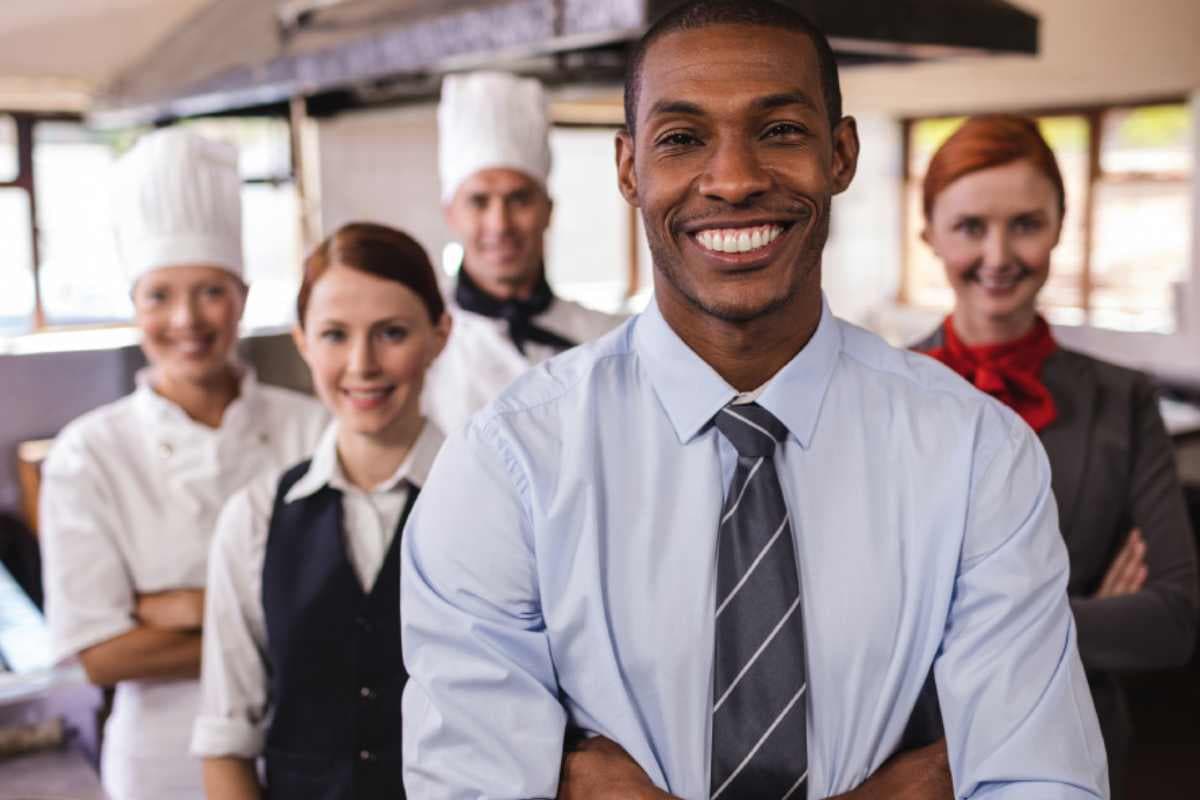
(1094, 117)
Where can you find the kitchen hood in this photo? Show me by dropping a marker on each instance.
(238, 55)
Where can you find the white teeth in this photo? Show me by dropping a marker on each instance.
(738, 240)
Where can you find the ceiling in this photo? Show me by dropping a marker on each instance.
(55, 54)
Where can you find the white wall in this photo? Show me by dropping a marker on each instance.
(381, 166)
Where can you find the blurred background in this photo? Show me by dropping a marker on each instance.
(332, 103)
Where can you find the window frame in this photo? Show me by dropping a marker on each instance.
(1094, 117)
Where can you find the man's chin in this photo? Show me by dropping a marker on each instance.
(740, 309)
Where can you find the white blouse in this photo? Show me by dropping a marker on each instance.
(130, 494)
(480, 359)
(234, 708)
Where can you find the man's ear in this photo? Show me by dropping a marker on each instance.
(845, 154)
(626, 173)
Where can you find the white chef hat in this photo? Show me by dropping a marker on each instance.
(178, 202)
(490, 120)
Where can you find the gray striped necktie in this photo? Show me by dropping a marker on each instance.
(759, 742)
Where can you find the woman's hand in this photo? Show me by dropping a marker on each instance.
(1127, 573)
(175, 609)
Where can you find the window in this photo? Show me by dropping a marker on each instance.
(587, 248)
(1127, 234)
(16, 262)
(78, 272)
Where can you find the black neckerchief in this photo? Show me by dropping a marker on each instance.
(518, 314)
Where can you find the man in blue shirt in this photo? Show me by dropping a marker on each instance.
(733, 536)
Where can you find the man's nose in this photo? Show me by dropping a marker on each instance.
(734, 173)
(497, 218)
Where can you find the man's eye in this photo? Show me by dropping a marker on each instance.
(1027, 225)
(783, 129)
(333, 335)
(394, 333)
(678, 139)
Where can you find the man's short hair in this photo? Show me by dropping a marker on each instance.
(699, 14)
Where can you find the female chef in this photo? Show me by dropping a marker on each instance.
(994, 205)
(131, 490)
(302, 661)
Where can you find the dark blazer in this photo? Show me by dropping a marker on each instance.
(1113, 469)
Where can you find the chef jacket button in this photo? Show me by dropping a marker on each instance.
(263, 438)
(166, 449)
(366, 755)
(365, 693)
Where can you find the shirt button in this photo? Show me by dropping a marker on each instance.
(365, 693)
(263, 438)
(165, 449)
(366, 755)
(364, 623)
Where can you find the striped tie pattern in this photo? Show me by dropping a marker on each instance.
(759, 740)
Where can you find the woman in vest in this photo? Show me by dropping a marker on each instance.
(131, 490)
(302, 664)
(994, 204)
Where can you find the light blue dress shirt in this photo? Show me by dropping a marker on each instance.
(560, 567)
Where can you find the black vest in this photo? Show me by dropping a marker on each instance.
(334, 653)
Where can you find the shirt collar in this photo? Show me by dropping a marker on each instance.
(326, 470)
(692, 392)
(159, 409)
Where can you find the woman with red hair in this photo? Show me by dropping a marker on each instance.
(994, 204)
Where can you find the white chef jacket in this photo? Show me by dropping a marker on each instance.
(480, 359)
(130, 494)
(234, 706)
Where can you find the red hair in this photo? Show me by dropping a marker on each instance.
(377, 250)
(990, 141)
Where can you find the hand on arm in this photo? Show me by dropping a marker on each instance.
(143, 652)
(175, 609)
(231, 779)
(600, 769)
(1128, 571)
(922, 774)
(93, 611)
(1155, 626)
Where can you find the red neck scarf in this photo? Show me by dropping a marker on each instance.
(1010, 371)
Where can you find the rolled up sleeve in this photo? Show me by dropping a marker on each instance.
(481, 712)
(233, 669)
(1019, 718)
